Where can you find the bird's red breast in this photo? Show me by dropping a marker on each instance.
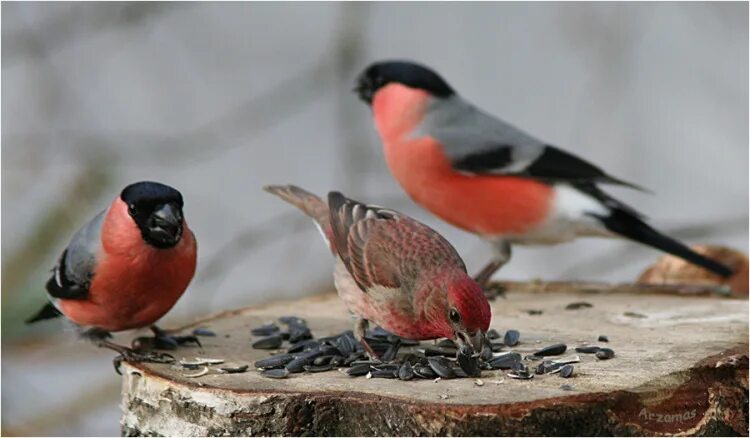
(134, 284)
(482, 204)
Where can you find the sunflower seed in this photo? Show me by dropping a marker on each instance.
(442, 367)
(551, 350)
(390, 354)
(439, 351)
(566, 371)
(299, 333)
(203, 332)
(486, 353)
(347, 343)
(235, 370)
(504, 361)
(511, 338)
(578, 305)
(269, 343)
(424, 372)
(292, 320)
(635, 315)
(384, 374)
(497, 346)
(589, 349)
(304, 345)
(406, 372)
(200, 373)
(479, 382)
(605, 353)
(492, 334)
(337, 361)
(276, 361)
(276, 373)
(468, 362)
(534, 312)
(358, 370)
(603, 338)
(265, 330)
(354, 357)
(318, 368)
(521, 376)
(566, 360)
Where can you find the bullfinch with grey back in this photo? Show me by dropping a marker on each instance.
(490, 178)
(125, 269)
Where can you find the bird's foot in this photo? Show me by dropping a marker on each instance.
(132, 356)
(163, 340)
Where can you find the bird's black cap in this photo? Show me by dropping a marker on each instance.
(408, 73)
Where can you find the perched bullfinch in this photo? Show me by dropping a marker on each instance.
(125, 269)
(490, 178)
(395, 271)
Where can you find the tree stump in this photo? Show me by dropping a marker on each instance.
(681, 367)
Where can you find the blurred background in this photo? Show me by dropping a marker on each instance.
(218, 99)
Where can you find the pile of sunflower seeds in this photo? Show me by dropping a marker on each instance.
(401, 358)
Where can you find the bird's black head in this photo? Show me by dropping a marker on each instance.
(412, 75)
(157, 210)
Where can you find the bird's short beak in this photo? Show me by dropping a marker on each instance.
(165, 224)
(473, 342)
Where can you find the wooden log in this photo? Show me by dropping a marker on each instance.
(681, 367)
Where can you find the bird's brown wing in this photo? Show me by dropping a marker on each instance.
(383, 248)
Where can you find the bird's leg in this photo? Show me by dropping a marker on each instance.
(163, 340)
(101, 339)
(502, 256)
(359, 334)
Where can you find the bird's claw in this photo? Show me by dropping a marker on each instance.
(163, 342)
(133, 356)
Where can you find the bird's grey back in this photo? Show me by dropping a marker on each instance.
(466, 130)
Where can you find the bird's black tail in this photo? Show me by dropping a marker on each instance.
(48, 311)
(626, 222)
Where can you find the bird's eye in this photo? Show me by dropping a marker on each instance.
(454, 316)
(131, 209)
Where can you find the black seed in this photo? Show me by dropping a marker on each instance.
(424, 372)
(634, 315)
(511, 338)
(540, 369)
(358, 370)
(284, 335)
(486, 352)
(384, 374)
(439, 351)
(578, 305)
(265, 330)
(603, 338)
(590, 349)
(298, 333)
(566, 371)
(203, 332)
(605, 353)
(269, 343)
(353, 357)
(390, 354)
(552, 350)
(305, 345)
(406, 372)
(497, 347)
(276, 373)
(367, 362)
(468, 363)
(235, 370)
(346, 343)
(297, 365)
(505, 361)
(276, 361)
(534, 312)
(379, 332)
(442, 367)
(292, 320)
(447, 343)
(492, 334)
(318, 368)
(322, 360)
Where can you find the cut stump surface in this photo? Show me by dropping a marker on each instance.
(681, 367)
